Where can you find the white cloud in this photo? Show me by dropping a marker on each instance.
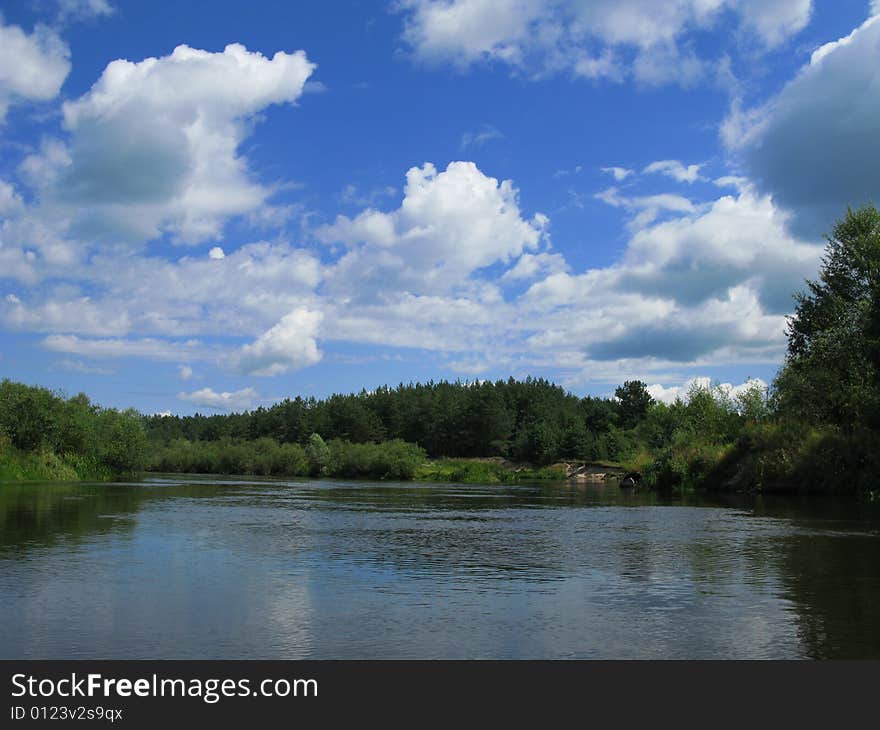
(814, 145)
(530, 266)
(241, 294)
(449, 225)
(619, 173)
(185, 371)
(675, 169)
(10, 201)
(32, 66)
(289, 344)
(216, 253)
(239, 400)
(68, 312)
(736, 239)
(648, 39)
(154, 144)
(151, 349)
(705, 286)
(444, 271)
(646, 207)
(669, 394)
(84, 9)
(773, 21)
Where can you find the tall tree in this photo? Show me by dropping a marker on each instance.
(634, 400)
(832, 371)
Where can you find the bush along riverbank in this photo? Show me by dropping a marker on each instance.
(388, 460)
(47, 437)
(818, 428)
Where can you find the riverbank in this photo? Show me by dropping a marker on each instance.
(382, 462)
(768, 458)
(487, 471)
(47, 466)
(707, 442)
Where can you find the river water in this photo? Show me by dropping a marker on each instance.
(187, 567)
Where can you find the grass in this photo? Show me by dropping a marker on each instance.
(46, 466)
(479, 471)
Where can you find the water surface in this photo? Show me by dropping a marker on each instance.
(184, 567)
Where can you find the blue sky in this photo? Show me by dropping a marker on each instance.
(214, 205)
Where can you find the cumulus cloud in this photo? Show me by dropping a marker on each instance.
(456, 268)
(814, 145)
(241, 294)
(32, 66)
(290, 344)
(737, 239)
(649, 40)
(707, 285)
(449, 225)
(530, 266)
(239, 400)
(733, 321)
(671, 393)
(154, 144)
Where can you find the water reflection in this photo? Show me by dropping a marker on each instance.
(261, 569)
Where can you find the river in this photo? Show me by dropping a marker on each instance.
(204, 567)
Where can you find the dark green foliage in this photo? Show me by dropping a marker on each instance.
(529, 420)
(795, 457)
(395, 460)
(261, 457)
(633, 402)
(266, 457)
(832, 373)
(28, 416)
(46, 436)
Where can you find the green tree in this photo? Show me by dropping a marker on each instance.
(123, 442)
(634, 400)
(28, 415)
(318, 454)
(832, 371)
(752, 402)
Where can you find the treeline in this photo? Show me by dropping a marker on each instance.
(530, 424)
(530, 420)
(44, 435)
